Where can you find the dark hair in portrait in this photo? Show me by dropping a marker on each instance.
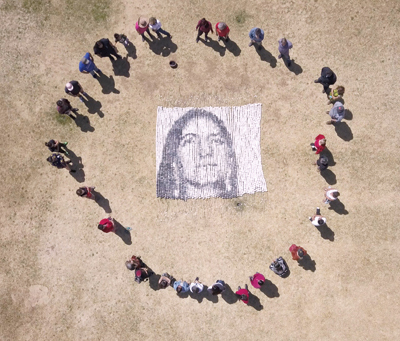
(198, 159)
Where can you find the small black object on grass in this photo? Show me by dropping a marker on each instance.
(173, 64)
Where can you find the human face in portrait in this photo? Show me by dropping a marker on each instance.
(203, 153)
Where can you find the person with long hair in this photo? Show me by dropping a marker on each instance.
(198, 159)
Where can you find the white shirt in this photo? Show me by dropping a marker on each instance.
(198, 285)
(156, 26)
(329, 194)
(315, 221)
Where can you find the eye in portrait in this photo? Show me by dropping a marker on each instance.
(198, 159)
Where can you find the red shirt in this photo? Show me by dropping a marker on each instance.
(109, 225)
(204, 27)
(317, 145)
(222, 33)
(293, 250)
(243, 292)
(256, 278)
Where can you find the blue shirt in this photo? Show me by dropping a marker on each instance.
(252, 35)
(86, 67)
(183, 284)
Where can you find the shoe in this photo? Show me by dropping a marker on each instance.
(66, 153)
(329, 122)
(197, 278)
(219, 38)
(327, 112)
(85, 94)
(310, 218)
(323, 91)
(170, 37)
(99, 71)
(227, 40)
(239, 288)
(81, 99)
(251, 44)
(316, 81)
(197, 40)
(246, 287)
(65, 143)
(280, 56)
(142, 38)
(95, 76)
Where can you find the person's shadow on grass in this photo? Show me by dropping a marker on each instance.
(295, 68)
(131, 49)
(338, 207)
(343, 131)
(254, 302)
(269, 289)
(121, 67)
(307, 263)
(232, 47)
(228, 295)
(163, 46)
(326, 232)
(107, 84)
(93, 106)
(77, 165)
(123, 233)
(102, 202)
(266, 56)
(329, 176)
(83, 123)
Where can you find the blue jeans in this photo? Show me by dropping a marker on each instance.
(95, 69)
(160, 30)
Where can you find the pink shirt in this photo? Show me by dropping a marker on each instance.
(139, 29)
(256, 278)
(243, 292)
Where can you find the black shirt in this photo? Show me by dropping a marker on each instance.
(104, 51)
(75, 88)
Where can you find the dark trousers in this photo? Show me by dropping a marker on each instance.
(318, 211)
(286, 60)
(199, 33)
(325, 83)
(148, 32)
(114, 54)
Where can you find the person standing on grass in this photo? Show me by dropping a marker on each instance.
(257, 280)
(87, 65)
(256, 37)
(64, 108)
(317, 219)
(297, 252)
(319, 144)
(322, 163)
(336, 113)
(243, 294)
(74, 89)
(330, 195)
(86, 192)
(56, 146)
(284, 47)
(181, 286)
(107, 225)
(57, 160)
(336, 94)
(203, 26)
(217, 288)
(196, 287)
(327, 78)
(121, 38)
(222, 31)
(155, 26)
(104, 48)
(141, 26)
(164, 281)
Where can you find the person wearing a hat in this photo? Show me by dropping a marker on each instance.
(142, 25)
(284, 47)
(327, 78)
(107, 225)
(257, 280)
(87, 65)
(222, 31)
(317, 219)
(321, 163)
(104, 48)
(74, 89)
(279, 266)
(243, 294)
(336, 113)
(297, 252)
(181, 286)
(155, 26)
(203, 26)
(256, 37)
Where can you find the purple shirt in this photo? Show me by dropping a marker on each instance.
(284, 50)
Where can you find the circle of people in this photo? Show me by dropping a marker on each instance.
(104, 48)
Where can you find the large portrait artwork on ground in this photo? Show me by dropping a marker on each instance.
(209, 152)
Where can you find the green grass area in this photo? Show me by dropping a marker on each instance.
(241, 17)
